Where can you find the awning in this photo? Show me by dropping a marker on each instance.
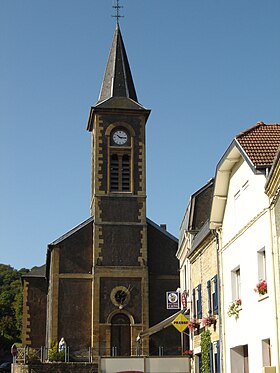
(161, 325)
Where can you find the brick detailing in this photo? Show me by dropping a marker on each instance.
(99, 156)
(25, 316)
(141, 162)
(98, 244)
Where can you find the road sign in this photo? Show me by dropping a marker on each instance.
(180, 322)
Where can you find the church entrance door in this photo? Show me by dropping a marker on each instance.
(120, 335)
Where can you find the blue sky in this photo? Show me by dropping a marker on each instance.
(207, 69)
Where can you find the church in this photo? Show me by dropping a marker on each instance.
(105, 281)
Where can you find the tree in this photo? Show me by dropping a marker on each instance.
(10, 305)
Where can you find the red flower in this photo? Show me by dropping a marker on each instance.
(261, 287)
(188, 353)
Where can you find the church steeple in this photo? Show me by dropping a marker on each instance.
(117, 81)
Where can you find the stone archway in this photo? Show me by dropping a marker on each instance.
(120, 335)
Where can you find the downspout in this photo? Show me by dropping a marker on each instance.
(217, 234)
(276, 281)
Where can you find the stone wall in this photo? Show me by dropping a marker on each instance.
(56, 368)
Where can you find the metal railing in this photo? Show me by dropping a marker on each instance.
(26, 355)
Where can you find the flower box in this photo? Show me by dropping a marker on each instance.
(193, 324)
(261, 287)
(234, 308)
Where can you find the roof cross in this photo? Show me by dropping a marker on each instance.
(117, 7)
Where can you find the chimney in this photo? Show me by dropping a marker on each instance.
(163, 226)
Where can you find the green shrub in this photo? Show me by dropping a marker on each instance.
(205, 351)
(54, 354)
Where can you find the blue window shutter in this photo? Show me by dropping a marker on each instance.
(211, 358)
(216, 298)
(194, 303)
(218, 357)
(199, 311)
(209, 297)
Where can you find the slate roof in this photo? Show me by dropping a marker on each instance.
(71, 232)
(36, 272)
(117, 91)
(117, 81)
(260, 143)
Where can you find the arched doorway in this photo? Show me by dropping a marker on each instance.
(120, 335)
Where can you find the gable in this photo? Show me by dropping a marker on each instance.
(75, 248)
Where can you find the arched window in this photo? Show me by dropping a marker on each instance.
(120, 161)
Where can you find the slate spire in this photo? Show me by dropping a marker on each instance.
(117, 81)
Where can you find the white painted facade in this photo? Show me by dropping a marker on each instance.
(245, 256)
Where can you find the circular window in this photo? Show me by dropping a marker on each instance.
(120, 296)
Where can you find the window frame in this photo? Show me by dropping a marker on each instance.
(262, 273)
(197, 302)
(236, 283)
(213, 296)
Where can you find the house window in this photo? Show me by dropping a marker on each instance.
(241, 199)
(236, 284)
(194, 304)
(212, 290)
(266, 353)
(239, 359)
(185, 278)
(197, 302)
(216, 357)
(198, 363)
(261, 265)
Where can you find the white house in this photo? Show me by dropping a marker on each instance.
(240, 215)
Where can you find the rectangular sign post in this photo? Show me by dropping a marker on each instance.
(172, 300)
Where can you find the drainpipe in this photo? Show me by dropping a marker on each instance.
(217, 234)
(275, 272)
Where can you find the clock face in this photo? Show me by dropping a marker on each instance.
(120, 137)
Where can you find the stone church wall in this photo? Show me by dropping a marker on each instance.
(75, 253)
(120, 209)
(134, 305)
(163, 277)
(34, 311)
(74, 313)
(121, 245)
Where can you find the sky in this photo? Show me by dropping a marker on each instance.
(208, 69)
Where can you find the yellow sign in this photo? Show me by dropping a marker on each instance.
(180, 322)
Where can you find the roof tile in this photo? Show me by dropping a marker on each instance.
(260, 143)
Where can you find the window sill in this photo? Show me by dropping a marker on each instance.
(262, 297)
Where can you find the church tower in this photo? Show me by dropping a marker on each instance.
(105, 281)
(118, 207)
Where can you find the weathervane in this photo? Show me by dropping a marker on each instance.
(117, 7)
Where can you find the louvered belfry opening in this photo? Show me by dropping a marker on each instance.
(114, 175)
(125, 173)
(120, 169)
